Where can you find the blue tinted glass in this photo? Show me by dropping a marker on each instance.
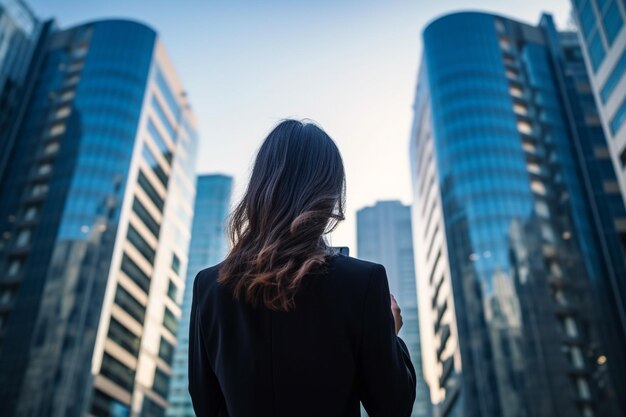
(612, 22)
(613, 78)
(596, 50)
(618, 119)
(587, 19)
(154, 164)
(159, 141)
(601, 4)
(163, 117)
(166, 91)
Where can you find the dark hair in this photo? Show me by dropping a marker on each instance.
(295, 196)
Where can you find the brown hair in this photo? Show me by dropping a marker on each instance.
(295, 196)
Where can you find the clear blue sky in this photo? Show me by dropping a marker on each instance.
(350, 65)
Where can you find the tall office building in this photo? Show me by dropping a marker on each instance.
(603, 40)
(95, 218)
(384, 236)
(20, 33)
(208, 247)
(521, 270)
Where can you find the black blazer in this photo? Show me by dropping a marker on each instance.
(336, 348)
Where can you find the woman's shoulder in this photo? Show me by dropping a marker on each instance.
(206, 278)
(347, 266)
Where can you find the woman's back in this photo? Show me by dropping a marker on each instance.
(335, 348)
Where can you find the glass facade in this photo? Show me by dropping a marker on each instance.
(208, 247)
(607, 75)
(20, 32)
(384, 236)
(90, 225)
(513, 257)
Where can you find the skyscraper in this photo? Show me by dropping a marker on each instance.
(20, 34)
(208, 247)
(520, 266)
(384, 236)
(95, 219)
(603, 41)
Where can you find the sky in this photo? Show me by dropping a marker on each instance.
(350, 65)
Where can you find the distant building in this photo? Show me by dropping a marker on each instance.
(603, 40)
(208, 247)
(384, 236)
(20, 35)
(520, 264)
(95, 216)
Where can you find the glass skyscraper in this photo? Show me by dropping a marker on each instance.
(603, 40)
(520, 266)
(20, 33)
(95, 217)
(208, 247)
(384, 236)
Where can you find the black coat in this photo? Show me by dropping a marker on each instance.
(336, 348)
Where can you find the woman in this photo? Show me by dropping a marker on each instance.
(285, 327)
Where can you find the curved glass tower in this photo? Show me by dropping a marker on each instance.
(513, 263)
(95, 220)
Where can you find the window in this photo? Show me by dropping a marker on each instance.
(128, 303)
(170, 322)
(167, 93)
(538, 187)
(161, 383)
(172, 291)
(154, 164)
(44, 169)
(151, 409)
(124, 337)
(601, 152)
(150, 191)
(39, 190)
(5, 295)
(51, 148)
(614, 78)
(618, 119)
(596, 51)
(166, 351)
(14, 267)
(57, 130)
(103, 405)
(146, 217)
(175, 263)
(140, 244)
(134, 272)
(23, 238)
(117, 372)
(516, 91)
(612, 22)
(611, 187)
(520, 109)
(159, 141)
(622, 157)
(524, 127)
(68, 95)
(163, 118)
(587, 19)
(63, 112)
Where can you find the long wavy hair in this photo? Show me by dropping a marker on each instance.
(295, 196)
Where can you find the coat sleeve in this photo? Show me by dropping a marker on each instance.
(387, 376)
(204, 388)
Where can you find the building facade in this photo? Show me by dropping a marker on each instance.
(208, 247)
(20, 34)
(519, 261)
(95, 217)
(384, 236)
(603, 39)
